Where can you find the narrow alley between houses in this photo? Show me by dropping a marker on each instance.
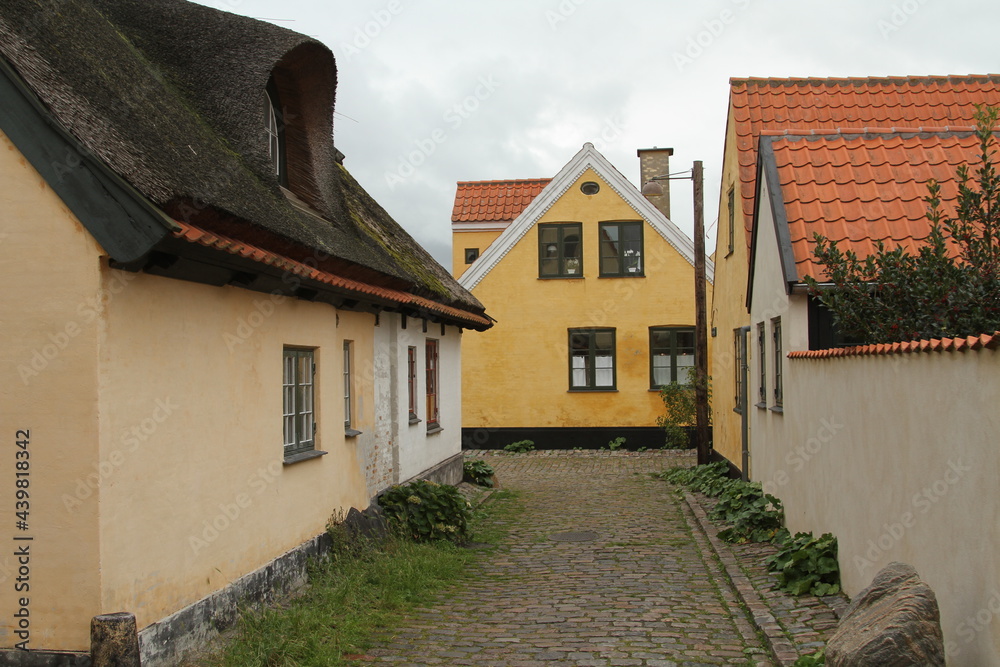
(605, 566)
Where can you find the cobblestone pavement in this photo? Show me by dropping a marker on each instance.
(641, 586)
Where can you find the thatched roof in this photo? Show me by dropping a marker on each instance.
(168, 95)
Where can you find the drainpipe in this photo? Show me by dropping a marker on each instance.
(744, 410)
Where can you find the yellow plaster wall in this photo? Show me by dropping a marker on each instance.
(191, 405)
(517, 373)
(728, 311)
(462, 240)
(49, 328)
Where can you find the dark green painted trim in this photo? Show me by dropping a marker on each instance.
(591, 356)
(562, 228)
(673, 354)
(621, 258)
(120, 219)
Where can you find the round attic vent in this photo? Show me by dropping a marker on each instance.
(590, 188)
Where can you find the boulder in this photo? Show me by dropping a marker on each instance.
(894, 622)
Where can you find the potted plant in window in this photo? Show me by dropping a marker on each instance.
(572, 265)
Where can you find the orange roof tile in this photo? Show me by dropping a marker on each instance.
(489, 201)
(988, 341)
(777, 104)
(858, 189)
(200, 236)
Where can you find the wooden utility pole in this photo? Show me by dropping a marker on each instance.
(700, 318)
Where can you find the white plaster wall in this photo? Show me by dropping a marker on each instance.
(895, 455)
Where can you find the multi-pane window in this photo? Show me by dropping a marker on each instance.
(560, 250)
(471, 255)
(274, 129)
(592, 359)
(621, 248)
(731, 209)
(776, 334)
(671, 355)
(348, 372)
(411, 380)
(432, 382)
(298, 411)
(761, 365)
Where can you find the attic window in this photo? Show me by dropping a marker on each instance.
(590, 188)
(274, 127)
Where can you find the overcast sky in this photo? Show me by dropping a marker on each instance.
(432, 92)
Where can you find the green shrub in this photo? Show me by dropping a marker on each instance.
(425, 511)
(520, 447)
(755, 516)
(616, 444)
(807, 564)
(710, 478)
(478, 472)
(680, 409)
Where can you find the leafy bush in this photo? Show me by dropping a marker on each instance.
(425, 511)
(755, 516)
(681, 409)
(520, 447)
(616, 444)
(807, 564)
(710, 478)
(478, 472)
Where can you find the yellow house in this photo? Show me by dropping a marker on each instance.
(213, 338)
(592, 288)
(758, 105)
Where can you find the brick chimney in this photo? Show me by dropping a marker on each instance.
(656, 162)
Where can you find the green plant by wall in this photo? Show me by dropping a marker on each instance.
(616, 444)
(425, 511)
(812, 659)
(478, 472)
(754, 515)
(520, 447)
(680, 409)
(807, 564)
(710, 478)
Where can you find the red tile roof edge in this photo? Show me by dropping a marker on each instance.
(506, 180)
(946, 129)
(987, 341)
(197, 235)
(860, 79)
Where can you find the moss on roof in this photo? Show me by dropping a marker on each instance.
(167, 93)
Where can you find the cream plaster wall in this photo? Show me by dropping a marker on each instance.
(727, 309)
(194, 373)
(896, 456)
(517, 373)
(50, 329)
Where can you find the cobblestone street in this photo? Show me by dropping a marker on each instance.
(605, 566)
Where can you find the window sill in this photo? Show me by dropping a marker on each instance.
(351, 433)
(623, 275)
(414, 420)
(434, 428)
(762, 406)
(572, 277)
(303, 456)
(609, 390)
(778, 409)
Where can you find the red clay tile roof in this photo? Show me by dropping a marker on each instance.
(859, 188)
(197, 235)
(778, 104)
(488, 201)
(988, 341)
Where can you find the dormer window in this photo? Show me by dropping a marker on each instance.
(275, 130)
